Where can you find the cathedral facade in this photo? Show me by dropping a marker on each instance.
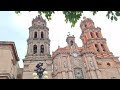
(91, 61)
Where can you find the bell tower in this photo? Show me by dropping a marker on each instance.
(38, 47)
(95, 49)
(38, 41)
(92, 38)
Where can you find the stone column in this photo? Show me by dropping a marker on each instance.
(32, 47)
(89, 34)
(64, 75)
(99, 75)
(106, 48)
(94, 33)
(38, 49)
(100, 35)
(39, 34)
(87, 67)
(70, 74)
(99, 45)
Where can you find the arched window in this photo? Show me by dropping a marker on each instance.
(35, 34)
(35, 49)
(97, 34)
(108, 64)
(103, 47)
(91, 35)
(42, 48)
(42, 36)
(97, 47)
(71, 42)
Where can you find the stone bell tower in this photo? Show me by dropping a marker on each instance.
(38, 47)
(99, 61)
(92, 38)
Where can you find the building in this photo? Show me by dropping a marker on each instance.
(9, 66)
(91, 61)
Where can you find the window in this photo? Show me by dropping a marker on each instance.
(42, 36)
(103, 47)
(71, 42)
(35, 34)
(96, 46)
(92, 36)
(35, 49)
(108, 64)
(97, 34)
(78, 73)
(42, 48)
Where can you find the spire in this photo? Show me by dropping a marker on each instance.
(68, 34)
(38, 18)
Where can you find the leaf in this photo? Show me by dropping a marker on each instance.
(112, 18)
(115, 18)
(117, 13)
(17, 12)
(94, 12)
(40, 13)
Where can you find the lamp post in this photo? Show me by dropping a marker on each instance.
(40, 72)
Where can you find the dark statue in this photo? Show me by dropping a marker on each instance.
(39, 70)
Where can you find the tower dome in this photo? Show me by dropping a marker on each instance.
(86, 23)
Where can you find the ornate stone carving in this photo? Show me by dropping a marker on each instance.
(65, 64)
(78, 73)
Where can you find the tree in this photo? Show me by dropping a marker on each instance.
(74, 16)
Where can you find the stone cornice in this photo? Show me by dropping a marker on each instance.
(90, 30)
(60, 51)
(55, 73)
(83, 52)
(30, 40)
(39, 27)
(96, 40)
(12, 44)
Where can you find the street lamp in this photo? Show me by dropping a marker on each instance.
(40, 72)
(45, 75)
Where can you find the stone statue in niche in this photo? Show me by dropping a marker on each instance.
(78, 73)
(91, 63)
(65, 65)
(85, 65)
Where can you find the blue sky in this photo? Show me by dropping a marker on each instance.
(9, 31)
(14, 27)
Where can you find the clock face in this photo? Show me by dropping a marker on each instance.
(75, 55)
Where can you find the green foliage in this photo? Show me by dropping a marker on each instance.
(74, 16)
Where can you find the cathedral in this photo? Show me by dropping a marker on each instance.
(93, 60)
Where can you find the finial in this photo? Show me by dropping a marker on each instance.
(84, 17)
(68, 34)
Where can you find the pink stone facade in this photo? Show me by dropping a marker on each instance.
(93, 60)
(9, 67)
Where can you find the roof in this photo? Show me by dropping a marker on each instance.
(65, 49)
(13, 47)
